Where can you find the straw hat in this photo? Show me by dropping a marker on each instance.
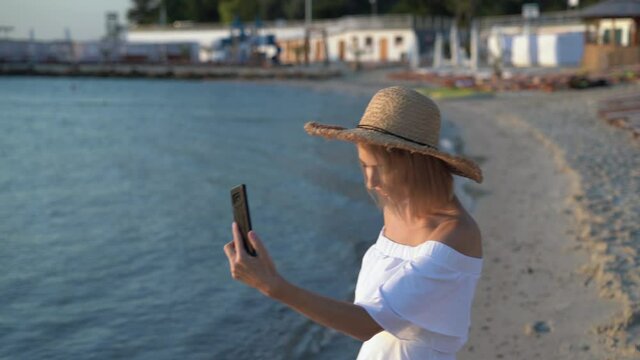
(398, 117)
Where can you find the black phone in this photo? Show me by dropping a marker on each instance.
(241, 215)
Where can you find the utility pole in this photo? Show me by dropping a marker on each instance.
(71, 56)
(163, 14)
(473, 56)
(307, 29)
(164, 58)
(307, 12)
(31, 49)
(454, 44)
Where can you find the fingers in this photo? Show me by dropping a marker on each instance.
(257, 243)
(230, 251)
(261, 250)
(237, 240)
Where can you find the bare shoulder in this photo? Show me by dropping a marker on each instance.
(462, 234)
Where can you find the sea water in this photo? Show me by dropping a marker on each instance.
(114, 209)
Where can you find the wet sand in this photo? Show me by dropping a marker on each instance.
(558, 210)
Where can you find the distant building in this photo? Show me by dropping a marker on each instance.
(173, 53)
(613, 34)
(30, 51)
(551, 40)
(378, 39)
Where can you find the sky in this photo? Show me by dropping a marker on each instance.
(85, 19)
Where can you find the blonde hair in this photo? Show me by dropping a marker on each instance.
(414, 183)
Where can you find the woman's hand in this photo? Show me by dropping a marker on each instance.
(258, 271)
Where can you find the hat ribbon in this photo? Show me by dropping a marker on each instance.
(383, 131)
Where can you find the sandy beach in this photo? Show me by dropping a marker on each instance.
(552, 288)
(558, 210)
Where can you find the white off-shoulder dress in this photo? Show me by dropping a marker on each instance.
(421, 296)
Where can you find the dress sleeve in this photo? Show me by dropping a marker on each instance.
(423, 294)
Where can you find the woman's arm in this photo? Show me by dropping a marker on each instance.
(260, 273)
(343, 316)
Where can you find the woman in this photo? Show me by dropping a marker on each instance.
(417, 282)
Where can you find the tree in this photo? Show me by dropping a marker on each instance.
(147, 11)
(422, 7)
(272, 9)
(144, 11)
(463, 10)
(202, 10)
(246, 10)
(176, 10)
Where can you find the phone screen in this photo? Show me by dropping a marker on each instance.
(241, 215)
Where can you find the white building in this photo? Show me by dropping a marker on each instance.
(547, 47)
(375, 45)
(555, 39)
(363, 38)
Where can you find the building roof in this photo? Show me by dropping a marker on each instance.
(613, 9)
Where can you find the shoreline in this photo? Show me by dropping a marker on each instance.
(170, 71)
(557, 298)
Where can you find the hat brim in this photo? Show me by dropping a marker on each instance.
(457, 164)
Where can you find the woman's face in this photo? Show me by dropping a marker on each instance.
(371, 170)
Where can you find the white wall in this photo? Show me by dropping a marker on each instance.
(547, 50)
(561, 49)
(372, 52)
(205, 37)
(545, 46)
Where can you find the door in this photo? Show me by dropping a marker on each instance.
(383, 50)
(319, 48)
(341, 50)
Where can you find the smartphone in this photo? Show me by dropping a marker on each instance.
(241, 215)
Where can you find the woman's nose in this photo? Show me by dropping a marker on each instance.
(372, 178)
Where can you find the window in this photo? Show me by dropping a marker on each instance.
(368, 41)
(610, 37)
(398, 40)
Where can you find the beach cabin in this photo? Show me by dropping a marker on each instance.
(612, 34)
(552, 39)
(550, 46)
(381, 45)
